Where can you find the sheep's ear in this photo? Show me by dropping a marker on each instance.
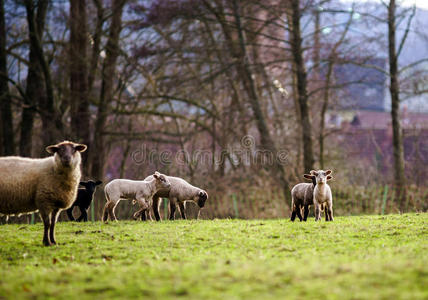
(314, 173)
(329, 177)
(80, 147)
(328, 172)
(98, 182)
(52, 149)
(307, 176)
(156, 175)
(82, 183)
(201, 193)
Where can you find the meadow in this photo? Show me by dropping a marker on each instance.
(358, 257)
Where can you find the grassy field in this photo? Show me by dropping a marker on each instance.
(367, 257)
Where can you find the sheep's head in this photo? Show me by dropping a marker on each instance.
(67, 153)
(161, 181)
(201, 198)
(90, 185)
(311, 177)
(322, 176)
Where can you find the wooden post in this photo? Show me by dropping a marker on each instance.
(385, 194)
(235, 206)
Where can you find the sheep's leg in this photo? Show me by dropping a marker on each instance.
(317, 212)
(156, 204)
(112, 207)
(54, 218)
(172, 207)
(306, 213)
(143, 215)
(330, 212)
(46, 217)
(105, 212)
(293, 213)
(326, 212)
(299, 212)
(149, 215)
(83, 215)
(70, 214)
(182, 210)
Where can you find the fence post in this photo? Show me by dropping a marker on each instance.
(235, 206)
(385, 194)
(93, 211)
(32, 219)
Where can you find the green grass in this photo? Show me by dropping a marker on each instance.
(367, 257)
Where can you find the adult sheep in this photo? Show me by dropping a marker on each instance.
(47, 185)
(179, 192)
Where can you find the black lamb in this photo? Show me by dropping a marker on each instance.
(83, 200)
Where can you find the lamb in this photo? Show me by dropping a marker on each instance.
(302, 196)
(47, 185)
(179, 192)
(323, 199)
(83, 200)
(140, 191)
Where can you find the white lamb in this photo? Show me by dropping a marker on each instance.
(138, 190)
(323, 199)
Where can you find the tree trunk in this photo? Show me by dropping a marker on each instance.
(80, 117)
(34, 90)
(297, 52)
(397, 140)
(8, 141)
(107, 91)
(250, 86)
(40, 91)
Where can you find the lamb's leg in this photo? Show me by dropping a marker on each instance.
(112, 207)
(149, 215)
(70, 214)
(172, 207)
(182, 210)
(299, 212)
(83, 215)
(317, 211)
(105, 212)
(46, 217)
(326, 213)
(143, 215)
(156, 204)
(330, 211)
(54, 218)
(306, 213)
(293, 207)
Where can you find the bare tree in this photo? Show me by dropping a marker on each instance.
(79, 72)
(397, 139)
(107, 89)
(8, 145)
(301, 84)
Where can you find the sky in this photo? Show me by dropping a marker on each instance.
(419, 3)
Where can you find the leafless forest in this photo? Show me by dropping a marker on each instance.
(239, 97)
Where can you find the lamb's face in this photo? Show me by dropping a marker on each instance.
(90, 185)
(161, 181)
(67, 153)
(201, 198)
(322, 176)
